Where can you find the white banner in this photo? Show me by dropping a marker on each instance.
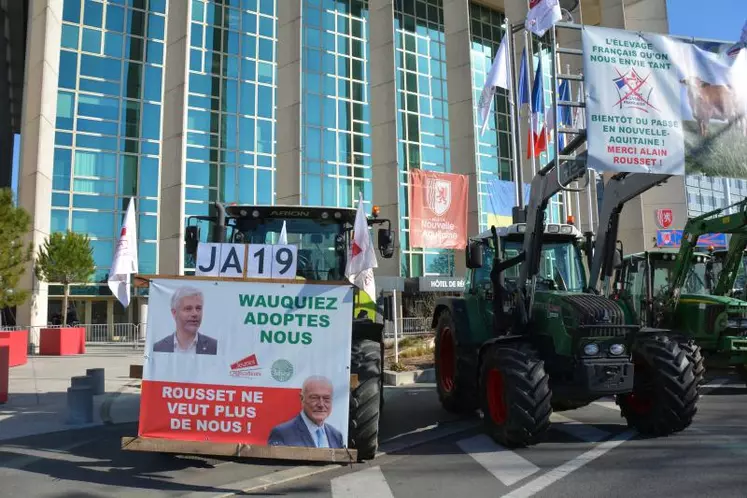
(247, 362)
(659, 105)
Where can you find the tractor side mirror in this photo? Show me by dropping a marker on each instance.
(386, 243)
(617, 260)
(192, 239)
(474, 255)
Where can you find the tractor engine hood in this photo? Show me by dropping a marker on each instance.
(590, 309)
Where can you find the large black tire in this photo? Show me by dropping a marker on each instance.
(515, 395)
(695, 355)
(365, 399)
(665, 388)
(456, 390)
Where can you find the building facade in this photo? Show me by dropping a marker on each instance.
(179, 104)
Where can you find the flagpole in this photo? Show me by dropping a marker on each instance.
(518, 177)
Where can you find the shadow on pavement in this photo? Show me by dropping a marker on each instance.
(93, 456)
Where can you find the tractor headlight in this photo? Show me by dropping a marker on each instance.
(732, 323)
(591, 349)
(617, 349)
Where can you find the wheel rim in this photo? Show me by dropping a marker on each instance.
(496, 398)
(446, 360)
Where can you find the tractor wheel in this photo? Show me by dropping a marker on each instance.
(365, 399)
(665, 389)
(515, 395)
(455, 391)
(695, 355)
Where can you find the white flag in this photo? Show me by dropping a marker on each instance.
(542, 15)
(283, 238)
(497, 76)
(124, 263)
(361, 257)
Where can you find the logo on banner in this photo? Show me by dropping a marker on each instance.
(282, 370)
(246, 367)
(439, 195)
(634, 91)
(664, 218)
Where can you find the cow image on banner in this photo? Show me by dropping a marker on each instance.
(438, 210)
(656, 104)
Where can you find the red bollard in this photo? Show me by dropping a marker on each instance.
(4, 372)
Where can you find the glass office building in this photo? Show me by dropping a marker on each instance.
(179, 104)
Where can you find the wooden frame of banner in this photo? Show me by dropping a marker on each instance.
(144, 280)
(177, 446)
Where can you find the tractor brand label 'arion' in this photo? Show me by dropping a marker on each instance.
(247, 362)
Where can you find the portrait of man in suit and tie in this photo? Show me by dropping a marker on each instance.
(309, 428)
(186, 308)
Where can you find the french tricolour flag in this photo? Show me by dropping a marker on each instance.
(537, 135)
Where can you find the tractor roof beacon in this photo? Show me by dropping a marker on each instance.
(323, 237)
(528, 335)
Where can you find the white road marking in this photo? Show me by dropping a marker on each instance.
(584, 432)
(607, 404)
(715, 384)
(369, 483)
(504, 464)
(536, 485)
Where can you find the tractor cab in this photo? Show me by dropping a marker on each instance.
(716, 265)
(643, 279)
(561, 262)
(323, 235)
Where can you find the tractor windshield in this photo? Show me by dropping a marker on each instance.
(694, 284)
(718, 265)
(321, 245)
(561, 265)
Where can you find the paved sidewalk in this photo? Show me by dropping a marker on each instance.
(37, 402)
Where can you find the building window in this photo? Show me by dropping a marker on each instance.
(230, 140)
(494, 153)
(108, 129)
(336, 123)
(422, 114)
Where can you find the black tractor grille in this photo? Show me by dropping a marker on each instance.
(595, 310)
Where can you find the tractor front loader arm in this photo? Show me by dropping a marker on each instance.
(620, 189)
(545, 184)
(731, 264)
(712, 222)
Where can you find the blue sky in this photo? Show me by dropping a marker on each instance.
(721, 20)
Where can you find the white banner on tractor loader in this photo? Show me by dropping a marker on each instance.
(655, 104)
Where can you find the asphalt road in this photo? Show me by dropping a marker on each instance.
(428, 454)
(589, 452)
(89, 463)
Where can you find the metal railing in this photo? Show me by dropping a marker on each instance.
(125, 334)
(420, 325)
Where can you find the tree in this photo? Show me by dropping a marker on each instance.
(65, 258)
(15, 223)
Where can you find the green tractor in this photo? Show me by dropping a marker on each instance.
(528, 336)
(733, 282)
(323, 237)
(678, 290)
